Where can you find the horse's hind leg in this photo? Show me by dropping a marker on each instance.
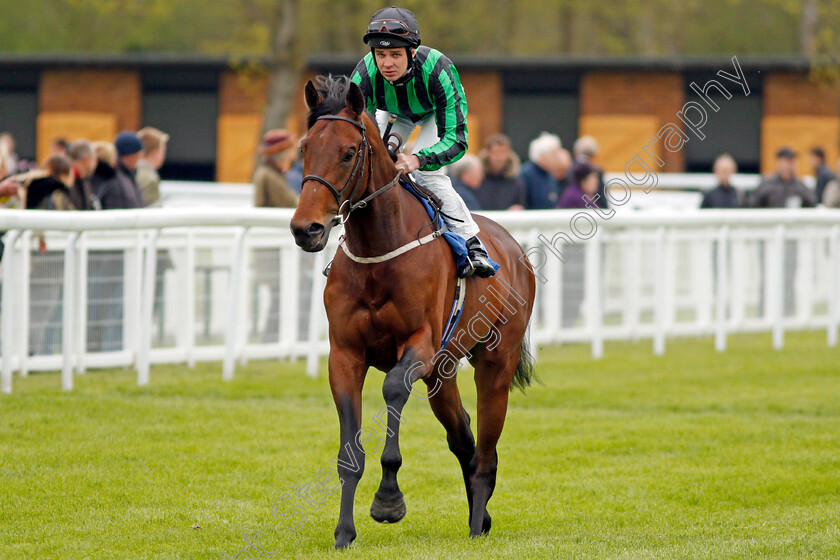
(493, 374)
(449, 410)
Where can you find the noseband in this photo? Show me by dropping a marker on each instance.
(363, 156)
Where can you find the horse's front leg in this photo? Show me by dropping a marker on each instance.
(347, 375)
(388, 503)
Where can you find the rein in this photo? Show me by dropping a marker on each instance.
(362, 153)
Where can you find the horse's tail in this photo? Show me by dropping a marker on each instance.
(524, 373)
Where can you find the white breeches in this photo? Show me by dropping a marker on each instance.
(436, 181)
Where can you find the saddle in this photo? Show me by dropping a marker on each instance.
(425, 193)
(393, 141)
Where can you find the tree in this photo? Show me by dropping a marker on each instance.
(285, 63)
(808, 27)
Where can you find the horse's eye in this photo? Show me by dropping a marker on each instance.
(349, 155)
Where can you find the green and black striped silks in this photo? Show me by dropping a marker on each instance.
(435, 88)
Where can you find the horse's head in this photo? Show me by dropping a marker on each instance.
(336, 159)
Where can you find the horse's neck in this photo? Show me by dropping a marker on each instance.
(385, 223)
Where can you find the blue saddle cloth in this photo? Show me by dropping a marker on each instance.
(457, 243)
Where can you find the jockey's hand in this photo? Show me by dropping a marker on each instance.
(407, 164)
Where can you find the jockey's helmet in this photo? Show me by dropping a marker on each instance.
(392, 28)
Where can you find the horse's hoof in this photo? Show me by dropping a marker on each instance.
(344, 541)
(485, 527)
(387, 511)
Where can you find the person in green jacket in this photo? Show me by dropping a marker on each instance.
(422, 88)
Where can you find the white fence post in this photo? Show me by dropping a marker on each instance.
(244, 305)
(553, 301)
(233, 314)
(132, 279)
(316, 302)
(290, 289)
(660, 287)
(702, 288)
(533, 325)
(80, 343)
(722, 292)
(634, 284)
(189, 299)
(738, 249)
(593, 288)
(9, 303)
(147, 306)
(804, 288)
(24, 264)
(778, 288)
(68, 321)
(833, 283)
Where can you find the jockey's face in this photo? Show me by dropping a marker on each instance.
(392, 63)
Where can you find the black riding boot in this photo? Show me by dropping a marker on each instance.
(479, 261)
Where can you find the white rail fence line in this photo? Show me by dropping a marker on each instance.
(672, 189)
(142, 287)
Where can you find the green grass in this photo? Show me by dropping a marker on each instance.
(691, 455)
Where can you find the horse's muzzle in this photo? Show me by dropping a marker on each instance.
(311, 237)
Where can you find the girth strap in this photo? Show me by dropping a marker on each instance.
(396, 252)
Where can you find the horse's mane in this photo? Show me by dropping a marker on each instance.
(333, 91)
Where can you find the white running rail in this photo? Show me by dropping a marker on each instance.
(140, 287)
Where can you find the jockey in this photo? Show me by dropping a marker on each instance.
(422, 88)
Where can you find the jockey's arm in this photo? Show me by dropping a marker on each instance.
(451, 118)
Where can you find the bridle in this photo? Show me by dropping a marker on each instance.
(363, 157)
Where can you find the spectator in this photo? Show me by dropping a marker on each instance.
(831, 195)
(7, 149)
(564, 173)
(294, 176)
(783, 189)
(148, 180)
(586, 150)
(270, 186)
(104, 176)
(105, 268)
(83, 162)
(821, 171)
(154, 154)
(467, 174)
(58, 146)
(49, 189)
(502, 188)
(123, 192)
(272, 190)
(540, 173)
(724, 195)
(585, 184)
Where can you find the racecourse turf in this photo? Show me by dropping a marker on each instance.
(690, 455)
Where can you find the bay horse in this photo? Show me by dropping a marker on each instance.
(391, 314)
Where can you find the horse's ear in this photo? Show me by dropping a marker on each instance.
(313, 98)
(355, 100)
